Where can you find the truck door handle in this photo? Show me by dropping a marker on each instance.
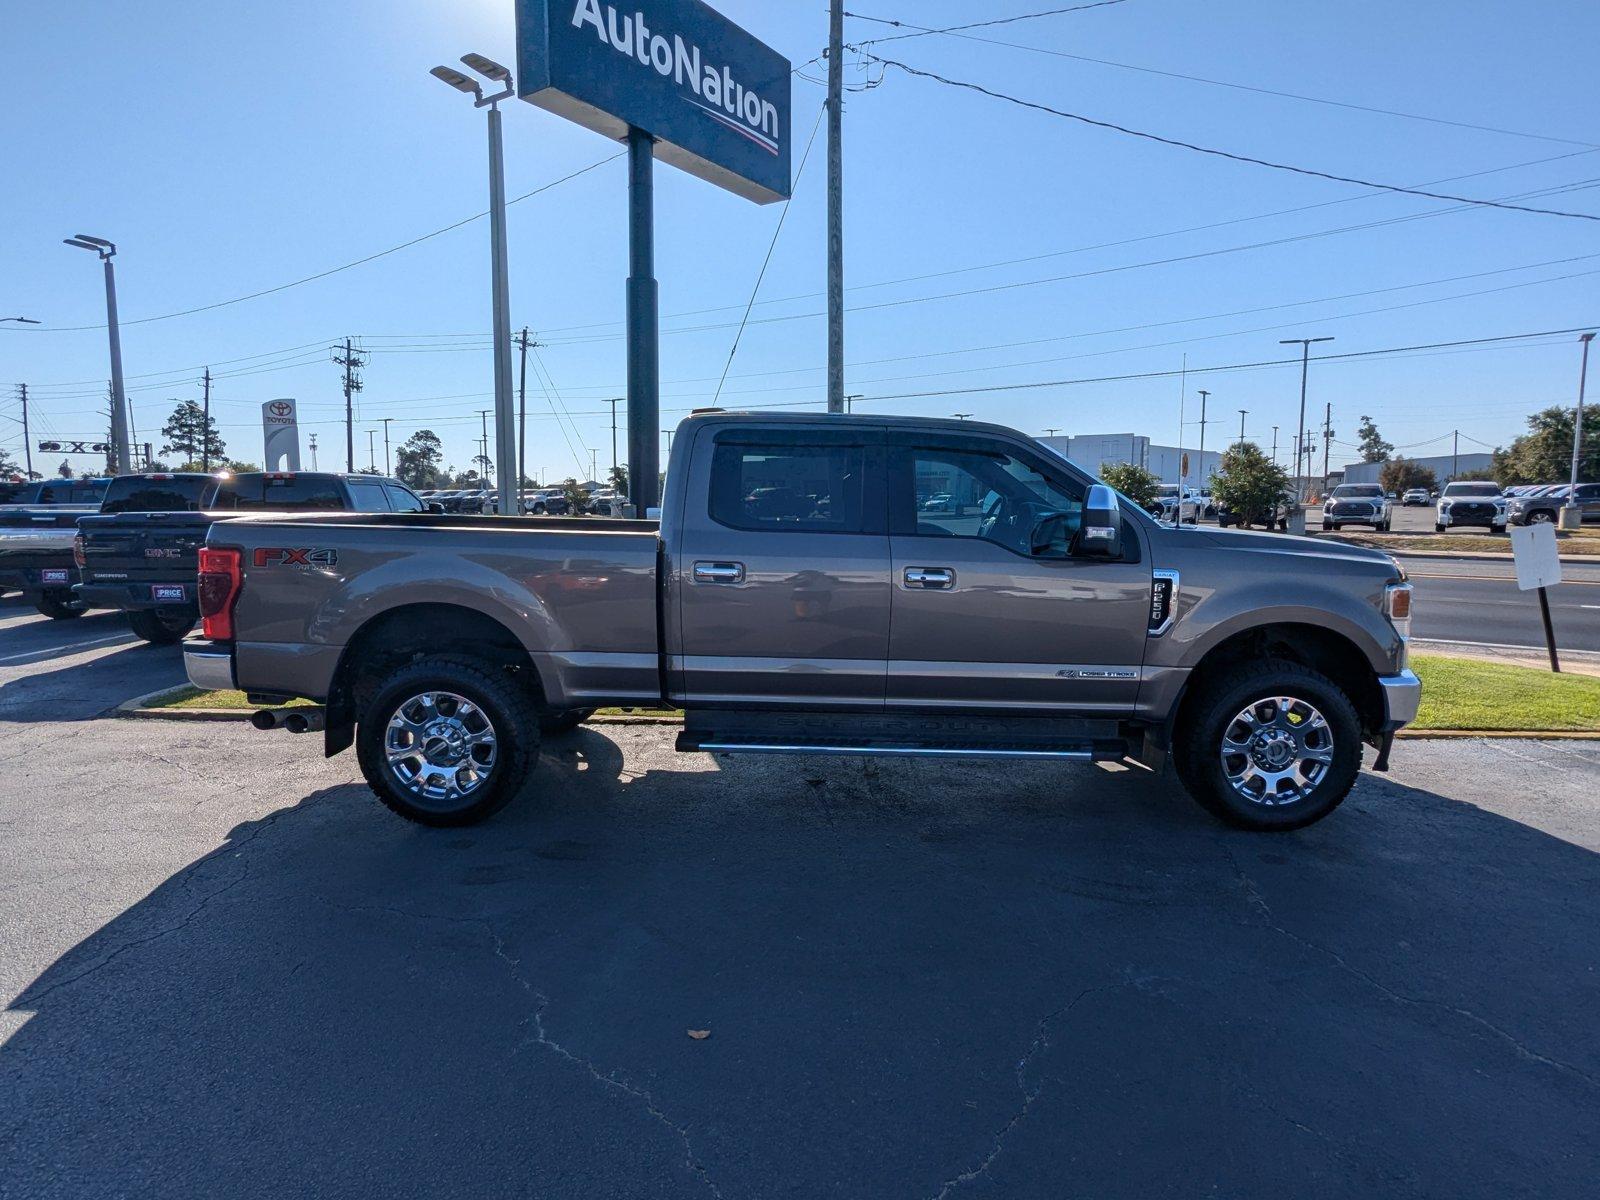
(930, 577)
(718, 572)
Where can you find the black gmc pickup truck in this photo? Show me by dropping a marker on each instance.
(37, 524)
(145, 561)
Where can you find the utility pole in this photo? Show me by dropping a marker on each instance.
(350, 361)
(27, 446)
(835, 207)
(522, 414)
(1455, 453)
(1242, 413)
(205, 425)
(614, 401)
(668, 432)
(1327, 444)
(372, 455)
(594, 468)
(1305, 361)
(1274, 445)
(483, 442)
(1571, 512)
(1203, 395)
(386, 421)
(313, 452)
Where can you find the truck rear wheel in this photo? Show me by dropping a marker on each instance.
(59, 606)
(162, 626)
(1268, 746)
(447, 741)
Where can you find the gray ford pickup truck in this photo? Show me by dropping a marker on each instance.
(803, 593)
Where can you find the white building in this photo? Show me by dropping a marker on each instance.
(1094, 451)
(1444, 467)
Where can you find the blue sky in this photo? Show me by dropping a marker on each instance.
(229, 149)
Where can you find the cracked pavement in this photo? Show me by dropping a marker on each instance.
(228, 971)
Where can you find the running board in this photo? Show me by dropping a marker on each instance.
(1061, 753)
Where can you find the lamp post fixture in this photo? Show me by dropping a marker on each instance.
(1242, 413)
(505, 428)
(1572, 512)
(1305, 361)
(119, 398)
(19, 320)
(961, 416)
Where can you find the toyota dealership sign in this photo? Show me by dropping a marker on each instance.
(715, 99)
(280, 436)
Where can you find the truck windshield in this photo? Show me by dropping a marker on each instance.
(1472, 489)
(1351, 491)
(137, 494)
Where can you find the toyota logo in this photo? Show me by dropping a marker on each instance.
(280, 408)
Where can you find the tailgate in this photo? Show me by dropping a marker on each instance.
(143, 548)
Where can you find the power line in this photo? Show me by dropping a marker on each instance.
(1227, 154)
(923, 32)
(771, 246)
(282, 287)
(954, 31)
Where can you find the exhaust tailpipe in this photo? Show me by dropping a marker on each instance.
(269, 718)
(304, 720)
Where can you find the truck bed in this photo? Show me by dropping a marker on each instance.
(578, 593)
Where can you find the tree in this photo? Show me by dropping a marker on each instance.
(1544, 453)
(1402, 474)
(8, 465)
(619, 479)
(1373, 448)
(417, 461)
(1250, 484)
(1132, 481)
(576, 494)
(191, 433)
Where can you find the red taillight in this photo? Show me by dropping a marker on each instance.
(77, 551)
(221, 577)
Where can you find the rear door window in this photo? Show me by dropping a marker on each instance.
(367, 497)
(788, 488)
(403, 500)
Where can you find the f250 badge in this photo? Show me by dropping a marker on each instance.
(305, 558)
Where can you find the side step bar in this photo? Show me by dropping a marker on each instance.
(1071, 754)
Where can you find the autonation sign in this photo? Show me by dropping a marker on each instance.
(715, 99)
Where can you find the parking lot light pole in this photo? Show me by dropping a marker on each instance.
(505, 426)
(1572, 512)
(1305, 363)
(119, 398)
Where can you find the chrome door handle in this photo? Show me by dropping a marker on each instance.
(930, 577)
(718, 572)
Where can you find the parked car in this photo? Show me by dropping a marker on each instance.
(143, 560)
(1471, 504)
(36, 533)
(1357, 504)
(546, 502)
(1416, 498)
(864, 625)
(1547, 503)
(1166, 505)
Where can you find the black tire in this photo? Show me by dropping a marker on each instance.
(162, 626)
(512, 716)
(1438, 527)
(1385, 527)
(556, 723)
(1207, 715)
(59, 606)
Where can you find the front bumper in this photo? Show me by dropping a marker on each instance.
(1402, 694)
(208, 664)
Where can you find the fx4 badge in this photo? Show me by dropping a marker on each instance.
(306, 558)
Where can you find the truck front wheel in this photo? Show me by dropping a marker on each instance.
(447, 741)
(1268, 746)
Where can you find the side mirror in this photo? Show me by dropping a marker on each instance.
(1100, 535)
(434, 507)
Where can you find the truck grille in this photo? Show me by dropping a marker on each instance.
(1352, 508)
(1471, 512)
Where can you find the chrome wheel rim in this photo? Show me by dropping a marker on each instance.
(1276, 750)
(440, 747)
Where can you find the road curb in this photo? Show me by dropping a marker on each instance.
(1531, 735)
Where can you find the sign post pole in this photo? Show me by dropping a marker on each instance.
(644, 349)
(1538, 565)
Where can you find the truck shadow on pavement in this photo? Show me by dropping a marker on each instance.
(917, 980)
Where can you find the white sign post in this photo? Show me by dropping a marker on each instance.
(1538, 567)
(280, 435)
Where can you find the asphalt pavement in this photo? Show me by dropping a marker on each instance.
(228, 971)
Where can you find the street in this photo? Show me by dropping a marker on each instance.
(1465, 600)
(229, 971)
